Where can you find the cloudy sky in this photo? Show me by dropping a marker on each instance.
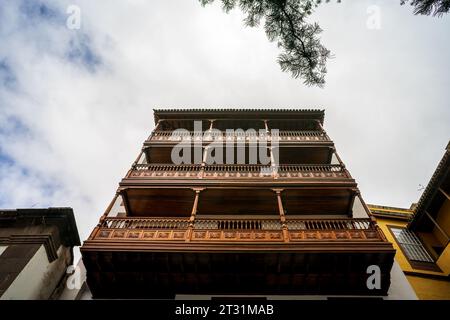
(76, 104)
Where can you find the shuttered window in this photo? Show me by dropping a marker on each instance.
(411, 245)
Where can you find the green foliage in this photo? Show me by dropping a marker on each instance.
(285, 22)
(427, 7)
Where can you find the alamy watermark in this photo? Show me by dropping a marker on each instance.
(373, 21)
(374, 280)
(73, 281)
(73, 21)
(232, 146)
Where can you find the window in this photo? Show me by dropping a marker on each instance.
(411, 245)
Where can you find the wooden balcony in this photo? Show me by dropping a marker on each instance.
(235, 230)
(161, 173)
(126, 256)
(283, 226)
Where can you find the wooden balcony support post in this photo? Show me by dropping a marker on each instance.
(133, 166)
(351, 203)
(273, 165)
(341, 163)
(267, 134)
(193, 214)
(322, 130)
(145, 151)
(284, 227)
(438, 226)
(201, 172)
(126, 202)
(211, 123)
(319, 124)
(158, 125)
(366, 208)
(338, 158)
(104, 216)
(203, 164)
(444, 193)
(205, 155)
(110, 206)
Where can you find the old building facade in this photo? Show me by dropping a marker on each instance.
(237, 202)
(36, 250)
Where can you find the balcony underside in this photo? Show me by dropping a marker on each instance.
(178, 201)
(270, 271)
(244, 154)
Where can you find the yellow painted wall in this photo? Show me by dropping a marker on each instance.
(399, 257)
(425, 288)
(444, 260)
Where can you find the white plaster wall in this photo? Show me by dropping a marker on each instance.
(85, 293)
(78, 289)
(39, 278)
(400, 288)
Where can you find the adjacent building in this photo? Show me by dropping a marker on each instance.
(36, 250)
(421, 235)
(238, 202)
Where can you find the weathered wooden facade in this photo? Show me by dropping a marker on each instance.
(293, 226)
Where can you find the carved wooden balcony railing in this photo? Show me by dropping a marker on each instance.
(233, 171)
(237, 224)
(333, 224)
(133, 223)
(235, 230)
(285, 135)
